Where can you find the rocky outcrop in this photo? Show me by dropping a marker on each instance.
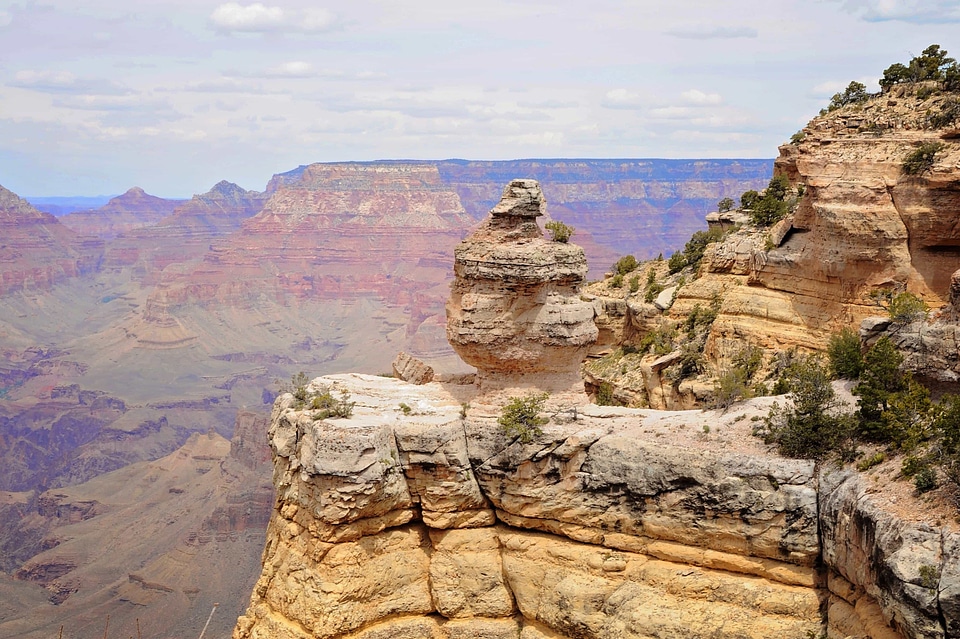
(859, 224)
(593, 530)
(616, 523)
(515, 311)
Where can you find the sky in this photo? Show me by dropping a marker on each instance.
(97, 96)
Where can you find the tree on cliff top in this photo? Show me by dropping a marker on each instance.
(932, 64)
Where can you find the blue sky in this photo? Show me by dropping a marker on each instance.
(97, 96)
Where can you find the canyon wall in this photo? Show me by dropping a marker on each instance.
(616, 523)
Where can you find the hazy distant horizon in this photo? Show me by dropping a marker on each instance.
(81, 202)
(174, 95)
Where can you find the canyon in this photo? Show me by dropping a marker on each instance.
(129, 340)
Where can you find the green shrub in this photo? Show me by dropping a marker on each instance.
(694, 248)
(946, 115)
(855, 93)
(676, 262)
(870, 462)
(652, 291)
(559, 232)
(405, 408)
(690, 362)
(605, 395)
(634, 283)
(520, 418)
(926, 479)
(907, 307)
(700, 319)
(325, 405)
(748, 199)
(932, 64)
(925, 92)
(893, 407)
(298, 388)
(616, 281)
(768, 211)
(846, 360)
(748, 361)
(922, 158)
(726, 204)
(798, 137)
(951, 78)
(625, 265)
(808, 429)
(659, 341)
(913, 464)
(729, 387)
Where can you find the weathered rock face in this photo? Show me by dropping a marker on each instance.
(862, 224)
(429, 524)
(515, 311)
(618, 523)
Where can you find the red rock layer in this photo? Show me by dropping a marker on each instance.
(36, 251)
(134, 209)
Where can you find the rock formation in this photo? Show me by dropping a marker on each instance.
(38, 251)
(862, 224)
(134, 209)
(515, 311)
(619, 523)
(617, 206)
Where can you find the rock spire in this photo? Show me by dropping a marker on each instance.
(515, 311)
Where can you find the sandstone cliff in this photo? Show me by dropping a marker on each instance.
(861, 224)
(619, 523)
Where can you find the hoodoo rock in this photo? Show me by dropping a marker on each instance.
(515, 311)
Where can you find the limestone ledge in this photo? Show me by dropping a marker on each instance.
(429, 524)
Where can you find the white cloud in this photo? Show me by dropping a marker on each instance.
(713, 33)
(5, 18)
(232, 17)
(294, 69)
(65, 82)
(828, 88)
(695, 96)
(915, 11)
(255, 17)
(622, 99)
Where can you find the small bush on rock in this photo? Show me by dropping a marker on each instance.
(922, 158)
(521, 419)
(625, 265)
(559, 232)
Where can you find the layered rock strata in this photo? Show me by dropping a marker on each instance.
(37, 251)
(619, 523)
(515, 311)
